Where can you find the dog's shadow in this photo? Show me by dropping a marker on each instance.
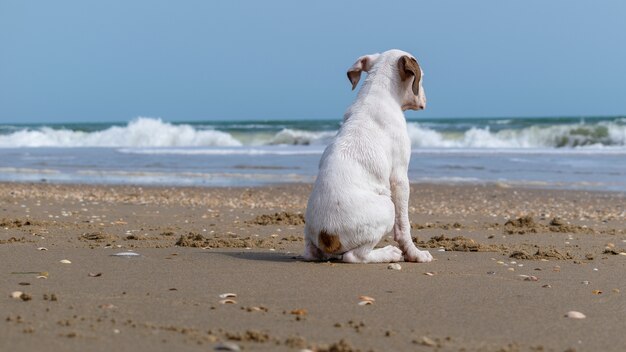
(277, 257)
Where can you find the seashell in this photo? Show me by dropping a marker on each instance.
(228, 295)
(126, 254)
(585, 282)
(65, 261)
(367, 298)
(228, 301)
(575, 315)
(394, 266)
(531, 278)
(228, 346)
(365, 303)
(299, 312)
(596, 292)
(94, 274)
(16, 294)
(622, 253)
(426, 341)
(42, 248)
(107, 306)
(429, 273)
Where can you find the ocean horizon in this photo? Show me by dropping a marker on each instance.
(555, 152)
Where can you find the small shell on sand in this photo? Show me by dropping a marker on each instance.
(427, 341)
(228, 301)
(394, 266)
(575, 315)
(429, 273)
(228, 295)
(365, 303)
(16, 294)
(228, 346)
(367, 298)
(299, 312)
(42, 248)
(529, 278)
(126, 254)
(65, 261)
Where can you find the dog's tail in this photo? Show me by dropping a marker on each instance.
(329, 243)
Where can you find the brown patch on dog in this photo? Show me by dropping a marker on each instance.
(329, 242)
(408, 66)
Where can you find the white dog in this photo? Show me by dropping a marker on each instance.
(362, 190)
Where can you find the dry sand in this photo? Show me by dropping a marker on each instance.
(510, 263)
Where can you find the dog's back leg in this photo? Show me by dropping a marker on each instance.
(311, 252)
(366, 254)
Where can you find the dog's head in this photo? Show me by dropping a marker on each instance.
(402, 72)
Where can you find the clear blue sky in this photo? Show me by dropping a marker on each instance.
(64, 61)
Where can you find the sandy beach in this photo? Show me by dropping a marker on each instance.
(510, 264)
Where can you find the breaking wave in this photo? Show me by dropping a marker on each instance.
(141, 132)
(603, 134)
(147, 132)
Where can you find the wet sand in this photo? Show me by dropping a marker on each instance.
(510, 263)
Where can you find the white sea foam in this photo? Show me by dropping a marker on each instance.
(141, 132)
(604, 134)
(154, 133)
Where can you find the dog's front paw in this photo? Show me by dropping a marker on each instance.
(415, 255)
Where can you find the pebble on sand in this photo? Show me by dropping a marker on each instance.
(65, 261)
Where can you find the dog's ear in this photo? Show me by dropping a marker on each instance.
(407, 67)
(364, 63)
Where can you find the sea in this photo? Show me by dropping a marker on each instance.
(559, 152)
